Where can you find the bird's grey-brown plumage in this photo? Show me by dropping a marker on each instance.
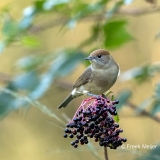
(97, 78)
(84, 78)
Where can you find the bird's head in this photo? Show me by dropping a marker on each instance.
(100, 58)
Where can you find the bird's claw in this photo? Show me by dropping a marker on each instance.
(97, 97)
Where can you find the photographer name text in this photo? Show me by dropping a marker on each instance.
(139, 146)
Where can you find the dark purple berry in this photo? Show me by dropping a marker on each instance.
(81, 140)
(65, 135)
(112, 111)
(74, 132)
(71, 135)
(116, 125)
(124, 139)
(114, 107)
(82, 143)
(76, 141)
(72, 143)
(96, 140)
(116, 101)
(75, 146)
(95, 119)
(66, 130)
(101, 143)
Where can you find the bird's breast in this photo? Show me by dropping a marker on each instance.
(103, 80)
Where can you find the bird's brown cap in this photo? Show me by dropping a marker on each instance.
(99, 52)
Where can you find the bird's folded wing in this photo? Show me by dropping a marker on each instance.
(84, 78)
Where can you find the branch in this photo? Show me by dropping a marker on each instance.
(47, 25)
(35, 103)
(105, 154)
(138, 11)
(4, 77)
(144, 113)
(126, 12)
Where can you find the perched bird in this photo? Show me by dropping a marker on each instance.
(97, 78)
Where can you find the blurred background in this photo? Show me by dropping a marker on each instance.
(42, 49)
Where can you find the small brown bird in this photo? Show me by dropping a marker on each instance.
(97, 78)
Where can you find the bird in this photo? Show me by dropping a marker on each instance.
(97, 78)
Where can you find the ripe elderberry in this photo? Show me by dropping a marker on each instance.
(94, 119)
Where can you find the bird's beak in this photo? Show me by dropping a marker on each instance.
(89, 58)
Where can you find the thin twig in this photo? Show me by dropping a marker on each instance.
(144, 113)
(105, 153)
(138, 11)
(34, 103)
(4, 77)
(126, 12)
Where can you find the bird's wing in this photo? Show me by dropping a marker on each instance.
(84, 78)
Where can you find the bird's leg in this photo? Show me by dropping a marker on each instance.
(87, 93)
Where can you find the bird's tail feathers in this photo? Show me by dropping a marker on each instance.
(66, 101)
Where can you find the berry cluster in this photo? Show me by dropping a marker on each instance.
(94, 119)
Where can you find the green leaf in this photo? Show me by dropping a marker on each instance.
(127, 2)
(116, 34)
(72, 23)
(10, 28)
(30, 63)
(50, 4)
(152, 154)
(116, 118)
(144, 74)
(157, 92)
(2, 46)
(39, 5)
(155, 108)
(5, 9)
(112, 96)
(27, 81)
(140, 74)
(30, 41)
(29, 11)
(111, 11)
(144, 105)
(66, 62)
(7, 102)
(123, 97)
(95, 32)
(82, 9)
(25, 23)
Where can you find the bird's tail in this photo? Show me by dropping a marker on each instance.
(66, 101)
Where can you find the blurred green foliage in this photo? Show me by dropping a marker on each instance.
(154, 154)
(39, 72)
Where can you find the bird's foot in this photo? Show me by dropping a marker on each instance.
(92, 95)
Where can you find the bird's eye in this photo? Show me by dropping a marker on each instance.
(99, 56)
